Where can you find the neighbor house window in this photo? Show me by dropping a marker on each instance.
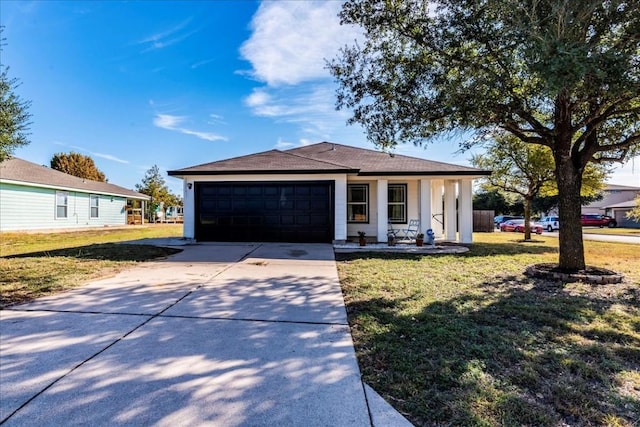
(397, 203)
(358, 203)
(62, 202)
(95, 202)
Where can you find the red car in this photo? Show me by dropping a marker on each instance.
(598, 221)
(517, 225)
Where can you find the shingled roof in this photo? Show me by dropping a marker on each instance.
(36, 175)
(327, 157)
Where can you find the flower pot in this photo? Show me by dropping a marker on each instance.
(419, 242)
(363, 241)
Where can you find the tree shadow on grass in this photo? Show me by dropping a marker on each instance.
(517, 352)
(106, 252)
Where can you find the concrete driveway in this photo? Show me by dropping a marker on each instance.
(222, 335)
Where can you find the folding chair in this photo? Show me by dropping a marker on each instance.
(411, 232)
(391, 231)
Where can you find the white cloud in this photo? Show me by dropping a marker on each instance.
(291, 40)
(167, 121)
(168, 37)
(111, 157)
(201, 63)
(93, 153)
(170, 122)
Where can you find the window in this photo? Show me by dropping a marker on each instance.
(62, 201)
(95, 201)
(358, 203)
(397, 203)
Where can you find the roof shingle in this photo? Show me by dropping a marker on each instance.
(327, 157)
(23, 171)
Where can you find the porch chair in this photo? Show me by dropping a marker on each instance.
(411, 232)
(392, 231)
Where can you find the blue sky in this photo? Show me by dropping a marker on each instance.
(133, 84)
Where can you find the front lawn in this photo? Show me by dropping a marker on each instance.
(468, 340)
(40, 264)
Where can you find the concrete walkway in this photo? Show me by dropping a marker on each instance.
(222, 335)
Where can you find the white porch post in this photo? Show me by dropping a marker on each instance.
(465, 210)
(425, 205)
(383, 213)
(436, 208)
(340, 211)
(450, 210)
(189, 210)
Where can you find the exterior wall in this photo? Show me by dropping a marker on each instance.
(611, 197)
(620, 214)
(343, 230)
(32, 208)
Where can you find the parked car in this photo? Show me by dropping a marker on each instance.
(517, 225)
(550, 223)
(502, 218)
(598, 221)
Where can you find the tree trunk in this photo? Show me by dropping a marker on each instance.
(569, 179)
(527, 218)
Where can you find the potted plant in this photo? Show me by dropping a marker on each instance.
(391, 239)
(362, 238)
(419, 239)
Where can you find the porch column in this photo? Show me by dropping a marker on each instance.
(189, 210)
(450, 210)
(340, 210)
(465, 210)
(382, 209)
(142, 219)
(436, 208)
(425, 205)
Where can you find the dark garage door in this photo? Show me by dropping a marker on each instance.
(264, 212)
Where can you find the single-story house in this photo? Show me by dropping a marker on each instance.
(325, 192)
(612, 195)
(35, 197)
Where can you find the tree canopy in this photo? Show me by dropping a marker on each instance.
(154, 185)
(14, 112)
(77, 164)
(561, 74)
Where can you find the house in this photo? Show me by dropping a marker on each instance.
(325, 192)
(35, 197)
(620, 210)
(613, 194)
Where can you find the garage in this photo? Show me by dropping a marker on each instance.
(298, 211)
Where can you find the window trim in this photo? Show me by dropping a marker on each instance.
(95, 197)
(365, 203)
(66, 205)
(403, 203)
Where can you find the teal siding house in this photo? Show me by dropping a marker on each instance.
(35, 197)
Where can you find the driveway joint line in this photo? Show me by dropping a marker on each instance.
(366, 401)
(151, 317)
(243, 319)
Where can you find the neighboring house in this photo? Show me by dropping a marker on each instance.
(613, 194)
(619, 212)
(325, 192)
(35, 197)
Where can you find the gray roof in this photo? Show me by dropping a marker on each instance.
(616, 187)
(30, 173)
(326, 157)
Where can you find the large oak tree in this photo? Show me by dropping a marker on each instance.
(559, 73)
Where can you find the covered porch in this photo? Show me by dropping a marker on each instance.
(442, 204)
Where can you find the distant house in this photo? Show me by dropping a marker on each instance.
(35, 197)
(613, 194)
(326, 192)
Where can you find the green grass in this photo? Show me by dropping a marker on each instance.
(34, 265)
(468, 340)
(21, 243)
